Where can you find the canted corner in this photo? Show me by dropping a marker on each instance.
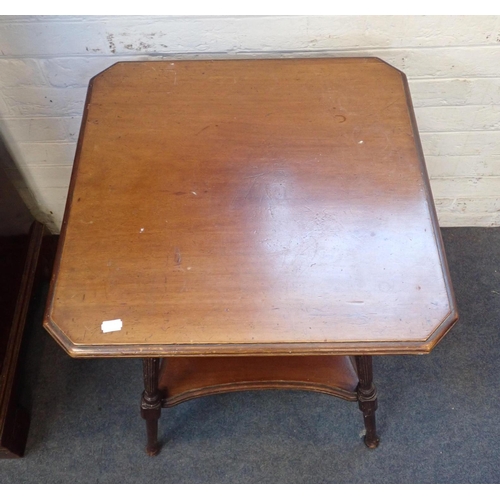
(440, 332)
(58, 335)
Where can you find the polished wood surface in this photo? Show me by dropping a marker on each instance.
(183, 378)
(250, 207)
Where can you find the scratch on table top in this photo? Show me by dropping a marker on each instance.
(202, 130)
(178, 257)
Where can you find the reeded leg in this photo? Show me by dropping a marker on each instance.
(151, 403)
(367, 398)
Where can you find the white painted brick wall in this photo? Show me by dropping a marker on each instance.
(452, 62)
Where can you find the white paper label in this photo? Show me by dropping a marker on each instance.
(113, 325)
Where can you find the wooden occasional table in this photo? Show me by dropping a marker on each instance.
(250, 224)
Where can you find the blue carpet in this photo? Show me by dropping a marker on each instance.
(437, 414)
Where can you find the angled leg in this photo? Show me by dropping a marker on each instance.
(367, 398)
(151, 403)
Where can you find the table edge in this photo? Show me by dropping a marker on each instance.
(257, 349)
(326, 348)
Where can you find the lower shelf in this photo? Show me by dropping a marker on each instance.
(182, 379)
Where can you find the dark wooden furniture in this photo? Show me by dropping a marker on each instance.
(255, 224)
(20, 243)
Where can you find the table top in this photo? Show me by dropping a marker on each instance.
(249, 207)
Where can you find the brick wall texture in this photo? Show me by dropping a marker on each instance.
(452, 63)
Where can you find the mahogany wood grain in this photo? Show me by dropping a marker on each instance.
(183, 378)
(250, 208)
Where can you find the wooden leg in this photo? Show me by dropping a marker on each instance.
(151, 403)
(367, 398)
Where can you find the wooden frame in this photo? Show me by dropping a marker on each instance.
(259, 170)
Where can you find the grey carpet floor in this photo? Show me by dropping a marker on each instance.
(438, 414)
